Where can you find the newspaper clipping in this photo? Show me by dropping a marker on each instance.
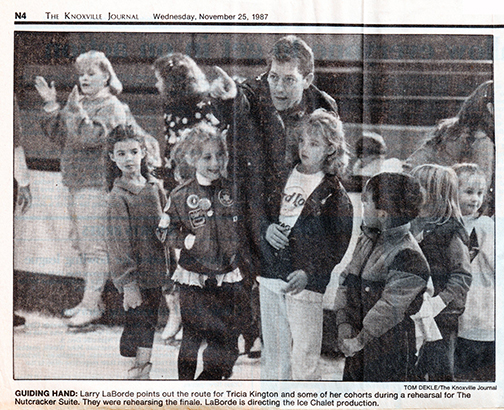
(250, 205)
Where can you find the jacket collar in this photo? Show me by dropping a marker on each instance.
(390, 235)
(132, 188)
(101, 95)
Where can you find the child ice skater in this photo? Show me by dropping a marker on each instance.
(137, 259)
(475, 346)
(307, 234)
(443, 239)
(205, 223)
(81, 128)
(383, 284)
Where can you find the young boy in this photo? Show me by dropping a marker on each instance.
(383, 284)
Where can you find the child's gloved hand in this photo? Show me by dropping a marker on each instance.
(162, 229)
(296, 282)
(73, 103)
(276, 235)
(132, 297)
(46, 92)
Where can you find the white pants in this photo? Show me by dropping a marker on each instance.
(88, 212)
(292, 334)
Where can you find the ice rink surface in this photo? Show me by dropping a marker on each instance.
(44, 348)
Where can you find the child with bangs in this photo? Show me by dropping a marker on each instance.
(444, 242)
(306, 235)
(475, 347)
(138, 262)
(205, 224)
(81, 129)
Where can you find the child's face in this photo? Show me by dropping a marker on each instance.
(471, 193)
(92, 79)
(371, 216)
(128, 157)
(313, 151)
(211, 162)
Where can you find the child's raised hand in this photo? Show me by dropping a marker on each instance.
(73, 103)
(296, 282)
(48, 93)
(132, 297)
(276, 237)
(223, 87)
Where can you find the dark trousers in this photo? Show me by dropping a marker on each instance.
(209, 314)
(474, 361)
(436, 359)
(140, 323)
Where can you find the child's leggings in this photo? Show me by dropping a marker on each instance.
(88, 213)
(208, 314)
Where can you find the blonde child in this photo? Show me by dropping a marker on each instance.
(475, 347)
(444, 241)
(306, 235)
(205, 224)
(383, 284)
(137, 259)
(81, 128)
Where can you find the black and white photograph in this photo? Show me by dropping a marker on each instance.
(289, 216)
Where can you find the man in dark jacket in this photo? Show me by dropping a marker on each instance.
(266, 116)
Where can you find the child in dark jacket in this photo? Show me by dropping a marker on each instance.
(383, 284)
(306, 236)
(205, 224)
(444, 242)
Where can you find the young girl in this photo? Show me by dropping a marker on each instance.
(205, 225)
(81, 128)
(137, 259)
(383, 284)
(307, 234)
(475, 348)
(443, 240)
(186, 102)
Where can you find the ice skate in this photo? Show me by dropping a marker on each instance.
(142, 365)
(84, 317)
(174, 323)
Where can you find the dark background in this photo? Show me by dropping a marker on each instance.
(393, 84)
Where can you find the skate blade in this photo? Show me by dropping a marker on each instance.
(90, 327)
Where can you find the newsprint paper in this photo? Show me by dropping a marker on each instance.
(292, 283)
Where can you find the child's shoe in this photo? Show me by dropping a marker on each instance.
(174, 319)
(84, 317)
(140, 372)
(19, 320)
(142, 365)
(71, 312)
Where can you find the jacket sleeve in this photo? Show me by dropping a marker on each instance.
(406, 278)
(53, 126)
(460, 278)
(123, 265)
(177, 230)
(333, 243)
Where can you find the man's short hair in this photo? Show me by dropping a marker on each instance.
(400, 195)
(290, 48)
